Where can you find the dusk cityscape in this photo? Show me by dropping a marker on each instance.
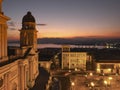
(60, 45)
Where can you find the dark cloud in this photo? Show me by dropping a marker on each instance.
(41, 24)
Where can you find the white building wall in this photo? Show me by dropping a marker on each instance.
(72, 60)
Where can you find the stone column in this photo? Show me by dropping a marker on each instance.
(35, 40)
(21, 77)
(31, 67)
(4, 39)
(2, 48)
(25, 77)
(5, 82)
(6, 78)
(3, 42)
(8, 81)
(31, 73)
(0, 41)
(69, 62)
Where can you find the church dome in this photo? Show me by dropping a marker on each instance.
(28, 18)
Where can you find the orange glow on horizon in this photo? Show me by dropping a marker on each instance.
(70, 33)
(64, 35)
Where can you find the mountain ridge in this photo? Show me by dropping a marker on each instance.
(76, 40)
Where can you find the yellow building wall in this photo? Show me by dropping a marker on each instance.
(72, 60)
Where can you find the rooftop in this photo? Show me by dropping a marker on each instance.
(107, 54)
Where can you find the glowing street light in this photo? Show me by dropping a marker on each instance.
(76, 69)
(109, 69)
(110, 78)
(105, 82)
(73, 84)
(92, 84)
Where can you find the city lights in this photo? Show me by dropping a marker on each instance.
(105, 82)
(110, 78)
(109, 69)
(91, 74)
(72, 83)
(92, 84)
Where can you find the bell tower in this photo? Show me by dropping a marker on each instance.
(28, 33)
(3, 35)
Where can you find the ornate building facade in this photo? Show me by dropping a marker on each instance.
(3, 35)
(18, 71)
(75, 59)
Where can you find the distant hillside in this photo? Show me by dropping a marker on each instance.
(78, 40)
(13, 41)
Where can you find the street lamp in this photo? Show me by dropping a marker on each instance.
(92, 84)
(98, 70)
(109, 70)
(105, 82)
(72, 84)
(91, 74)
(110, 78)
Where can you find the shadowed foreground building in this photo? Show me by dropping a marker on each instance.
(18, 65)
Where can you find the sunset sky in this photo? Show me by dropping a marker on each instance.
(66, 18)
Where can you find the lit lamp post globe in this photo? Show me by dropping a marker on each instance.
(105, 82)
(72, 84)
(91, 74)
(110, 78)
(92, 84)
